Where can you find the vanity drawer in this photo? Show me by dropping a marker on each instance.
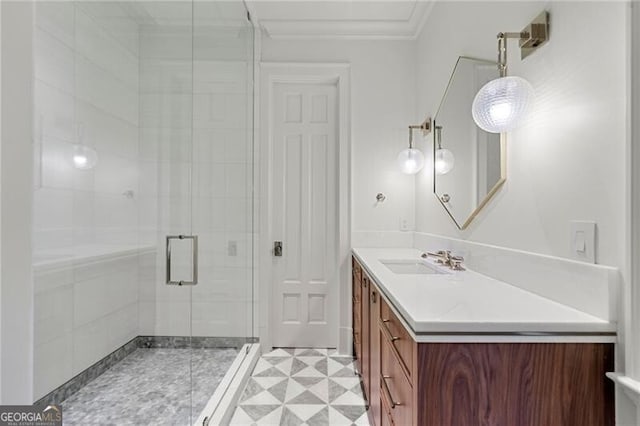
(385, 418)
(395, 389)
(397, 336)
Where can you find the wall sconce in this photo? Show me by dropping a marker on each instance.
(444, 158)
(411, 160)
(84, 157)
(501, 104)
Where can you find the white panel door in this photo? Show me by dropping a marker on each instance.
(304, 199)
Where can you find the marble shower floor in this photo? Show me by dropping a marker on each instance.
(150, 386)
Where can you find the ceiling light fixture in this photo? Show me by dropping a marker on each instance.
(501, 104)
(411, 160)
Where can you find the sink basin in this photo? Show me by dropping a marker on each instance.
(411, 266)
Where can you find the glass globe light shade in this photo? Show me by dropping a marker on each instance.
(410, 161)
(444, 161)
(501, 104)
(84, 157)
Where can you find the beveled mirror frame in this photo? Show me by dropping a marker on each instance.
(503, 155)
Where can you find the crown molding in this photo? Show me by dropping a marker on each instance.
(350, 29)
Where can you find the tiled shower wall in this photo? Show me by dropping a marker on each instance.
(196, 173)
(83, 312)
(86, 90)
(172, 132)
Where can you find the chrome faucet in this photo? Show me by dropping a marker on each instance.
(444, 257)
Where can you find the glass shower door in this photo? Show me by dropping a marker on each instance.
(143, 206)
(166, 191)
(198, 67)
(222, 189)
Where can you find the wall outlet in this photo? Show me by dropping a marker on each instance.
(582, 243)
(404, 224)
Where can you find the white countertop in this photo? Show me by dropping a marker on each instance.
(468, 302)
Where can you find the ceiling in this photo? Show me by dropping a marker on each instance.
(292, 19)
(353, 19)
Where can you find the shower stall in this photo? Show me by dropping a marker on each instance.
(143, 217)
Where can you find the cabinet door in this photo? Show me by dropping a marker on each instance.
(385, 418)
(366, 283)
(357, 312)
(374, 353)
(396, 387)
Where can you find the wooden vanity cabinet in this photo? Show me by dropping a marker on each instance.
(356, 278)
(475, 384)
(374, 354)
(366, 327)
(366, 337)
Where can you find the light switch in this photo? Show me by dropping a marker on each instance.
(583, 241)
(579, 243)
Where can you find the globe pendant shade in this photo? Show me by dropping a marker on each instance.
(410, 161)
(501, 104)
(444, 161)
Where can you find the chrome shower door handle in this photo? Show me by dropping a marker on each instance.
(194, 262)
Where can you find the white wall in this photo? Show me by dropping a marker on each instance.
(86, 80)
(83, 311)
(382, 103)
(16, 346)
(0, 205)
(85, 91)
(566, 162)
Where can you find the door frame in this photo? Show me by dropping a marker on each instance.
(272, 73)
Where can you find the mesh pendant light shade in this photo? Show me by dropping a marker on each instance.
(501, 104)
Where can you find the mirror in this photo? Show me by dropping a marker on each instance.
(469, 163)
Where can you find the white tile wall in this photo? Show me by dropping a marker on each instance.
(85, 311)
(53, 364)
(130, 91)
(116, 20)
(86, 90)
(199, 176)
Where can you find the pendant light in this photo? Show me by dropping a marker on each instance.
(444, 159)
(411, 160)
(501, 104)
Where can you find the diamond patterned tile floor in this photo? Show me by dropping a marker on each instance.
(292, 387)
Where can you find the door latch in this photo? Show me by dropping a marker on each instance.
(277, 248)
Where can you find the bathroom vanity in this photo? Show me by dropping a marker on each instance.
(437, 347)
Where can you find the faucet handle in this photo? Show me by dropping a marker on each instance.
(456, 264)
